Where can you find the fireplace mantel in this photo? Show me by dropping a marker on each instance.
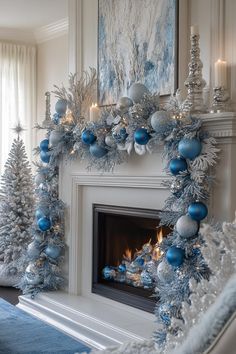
(88, 316)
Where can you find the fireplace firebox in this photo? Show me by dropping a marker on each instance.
(126, 248)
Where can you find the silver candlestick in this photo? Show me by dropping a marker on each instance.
(194, 82)
(220, 99)
(47, 123)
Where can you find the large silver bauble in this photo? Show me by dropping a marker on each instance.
(55, 137)
(124, 103)
(186, 226)
(33, 250)
(165, 272)
(160, 121)
(137, 92)
(110, 141)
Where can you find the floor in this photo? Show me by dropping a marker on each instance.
(10, 294)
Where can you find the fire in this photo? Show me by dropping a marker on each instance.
(160, 236)
(157, 253)
(128, 254)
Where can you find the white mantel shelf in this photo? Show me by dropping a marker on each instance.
(220, 125)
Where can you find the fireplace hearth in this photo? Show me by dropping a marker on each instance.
(126, 245)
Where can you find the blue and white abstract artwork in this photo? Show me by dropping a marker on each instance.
(136, 43)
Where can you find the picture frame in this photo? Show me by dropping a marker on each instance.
(134, 49)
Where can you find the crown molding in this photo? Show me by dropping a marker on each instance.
(51, 31)
(16, 34)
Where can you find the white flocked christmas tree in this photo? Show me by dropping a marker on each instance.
(16, 213)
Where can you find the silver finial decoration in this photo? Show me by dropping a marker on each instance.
(194, 82)
(220, 100)
(18, 129)
(47, 123)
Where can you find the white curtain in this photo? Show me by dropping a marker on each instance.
(17, 96)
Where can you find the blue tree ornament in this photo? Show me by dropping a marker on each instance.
(190, 148)
(44, 223)
(53, 251)
(122, 268)
(141, 136)
(198, 211)
(88, 137)
(44, 145)
(61, 106)
(97, 151)
(45, 156)
(175, 256)
(178, 165)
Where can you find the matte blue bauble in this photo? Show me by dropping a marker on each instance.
(160, 121)
(88, 137)
(137, 92)
(97, 151)
(141, 136)
(124, 103)
(44, 145)
(165, 313)
(61, 106)
(44, 223)
(53, 251)
(175, 256)
(187, 227)
(190, 148)
(45, 156)
(177, 165)
(198, 211)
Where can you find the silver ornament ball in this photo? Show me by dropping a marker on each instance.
(160, 121)
(165, 272)
(137, 92)
(124, 103)
(55, 137)
(187, 227)
(110, 141)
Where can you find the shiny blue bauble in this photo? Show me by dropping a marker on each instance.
(198, 211)
(88, 137)
(97, 151)
(45, 156)
(175, 256)
(138, 261)
(177, 165)
(44, 145)
(53, 251)
(108, 273)
(137, 92)
(190, 148)
(61, 106)
(141, 136)
(44, 223)
(123, 133)
(122, 268)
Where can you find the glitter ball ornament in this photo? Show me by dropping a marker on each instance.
(187, 227)
(53, 251)
(198, 211)
(146, 279)
(190, 148)
(44, 224)
(110, 141)
(61, 106)
(175, 256)
(165, 313)
(44, 145)
(45, 156)
(33, 250)
(160, 121)
(124, 103)
(178, 165)
(97, 151)
(176, 186)
(165, 272)
(137, 92)
(55, 137)
(88, 137)
(141, 136)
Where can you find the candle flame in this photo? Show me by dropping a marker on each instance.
(94, 105)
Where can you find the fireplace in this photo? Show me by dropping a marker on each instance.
(125, 246)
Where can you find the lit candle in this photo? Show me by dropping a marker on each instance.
(220, 73)
(194, 30)
(94, 113)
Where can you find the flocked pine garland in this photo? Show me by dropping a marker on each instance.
(138, 124)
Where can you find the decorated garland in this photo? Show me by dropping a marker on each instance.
(137, 123)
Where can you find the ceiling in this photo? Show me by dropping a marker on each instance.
(31, 14)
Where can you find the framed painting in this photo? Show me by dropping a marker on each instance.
(137, 42)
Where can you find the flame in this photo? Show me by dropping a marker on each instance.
(160, 236)
(157, 253)
(128, 254)
(94, 105)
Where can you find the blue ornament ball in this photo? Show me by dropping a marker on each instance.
(187, 227)
(146, 279)
(56, 118)
(97, 151)
(44, 223)
(88, 137)
(122, 268)
(108, 273)
(141, 136)
(61, 106)
(175, 256)
(198, 211)
(160, 121)
(177, 165)
(165, 313)
(44, 145)
(45, 156)
(53, 251)
(190, 148)
(137, 92)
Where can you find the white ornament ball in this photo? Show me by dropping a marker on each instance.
(137, 92)
(110, 141)
(165, 272)
(187, 227)
(160, 121)
(55, 137)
